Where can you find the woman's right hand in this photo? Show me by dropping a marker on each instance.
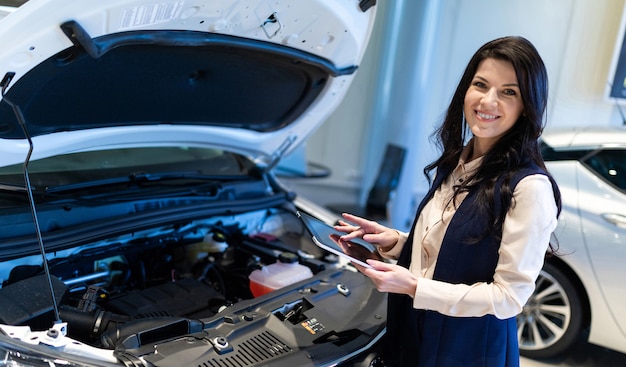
(368, 230)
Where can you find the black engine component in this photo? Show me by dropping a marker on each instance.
(138, 333)
(30, 301)
(87, 326)
(184, 297)
(142, 315)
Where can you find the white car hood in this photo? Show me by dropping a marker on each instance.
(252, 76)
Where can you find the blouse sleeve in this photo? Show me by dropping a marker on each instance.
(526, 233)
(394, 252)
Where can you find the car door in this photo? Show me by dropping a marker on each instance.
(602, 200)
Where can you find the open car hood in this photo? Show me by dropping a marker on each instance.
(252, 76)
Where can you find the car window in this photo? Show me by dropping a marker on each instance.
(610, 164)
(102, 164)
(550, 154)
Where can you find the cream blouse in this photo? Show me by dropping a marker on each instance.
(526, 232)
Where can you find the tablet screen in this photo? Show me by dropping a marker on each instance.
(357, 250)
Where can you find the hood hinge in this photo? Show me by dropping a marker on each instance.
(6, 80)
(280, 152)
(366, 4)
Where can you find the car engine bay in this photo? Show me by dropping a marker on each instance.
(137, 294)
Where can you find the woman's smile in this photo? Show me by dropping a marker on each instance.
(486, 117)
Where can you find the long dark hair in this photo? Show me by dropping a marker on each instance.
(518, 147)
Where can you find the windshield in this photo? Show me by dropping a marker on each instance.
(128, 163)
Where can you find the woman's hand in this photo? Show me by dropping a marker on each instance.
(356, 251)
(390, 278)
(369, 231)
(386, 277)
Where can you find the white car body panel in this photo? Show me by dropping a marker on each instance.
(591, 246)
(606, 244)
(335, 30)
(584, 137)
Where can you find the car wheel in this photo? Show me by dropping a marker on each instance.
(552, 319)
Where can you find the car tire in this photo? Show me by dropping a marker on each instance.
(553, 319)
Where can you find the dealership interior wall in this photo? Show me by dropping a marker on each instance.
(413, 63)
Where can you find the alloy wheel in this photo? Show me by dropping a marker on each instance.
(546, 316)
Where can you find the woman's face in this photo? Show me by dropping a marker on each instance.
(493, 102)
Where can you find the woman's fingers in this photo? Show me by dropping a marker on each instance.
(359, 221)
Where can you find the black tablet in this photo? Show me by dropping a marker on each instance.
(357, 251)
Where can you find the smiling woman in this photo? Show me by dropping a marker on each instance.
(479, 238)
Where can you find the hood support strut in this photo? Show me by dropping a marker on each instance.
(20, 118)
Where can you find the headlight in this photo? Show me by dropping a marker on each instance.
(28, 353)
(11, 357)
(14, 358)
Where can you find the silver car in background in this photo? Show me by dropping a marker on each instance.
(581, 292)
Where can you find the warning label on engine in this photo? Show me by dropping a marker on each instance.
(312, 325)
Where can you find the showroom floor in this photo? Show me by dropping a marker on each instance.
(582, 355)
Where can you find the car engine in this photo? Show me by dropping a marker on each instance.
(136, 281)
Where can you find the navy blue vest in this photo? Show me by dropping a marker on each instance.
(429, 339)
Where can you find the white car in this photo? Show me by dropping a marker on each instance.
(141, 223)
(581, 293)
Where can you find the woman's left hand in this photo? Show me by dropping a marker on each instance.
(390, 278)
